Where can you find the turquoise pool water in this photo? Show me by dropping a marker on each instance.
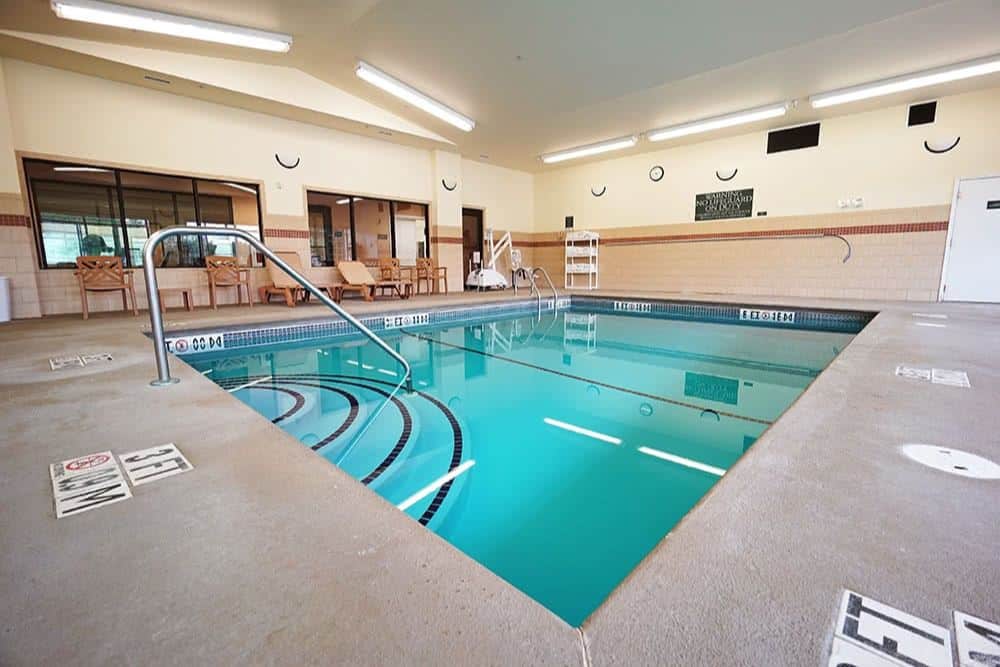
(556, 452)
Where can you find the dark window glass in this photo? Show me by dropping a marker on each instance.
(330, 236)
(794, 138)
(152, 203)
(77, 208)
(344, 227)
(225, 204)
(77, 213)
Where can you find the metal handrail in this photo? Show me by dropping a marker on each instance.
(156, 317)
(538, 293)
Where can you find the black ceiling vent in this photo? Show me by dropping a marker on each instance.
(793, 138)
(921, 114)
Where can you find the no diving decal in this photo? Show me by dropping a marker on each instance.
(758, 315)
(94, 480)
(86, 483)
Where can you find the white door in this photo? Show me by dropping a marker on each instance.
(972, 257)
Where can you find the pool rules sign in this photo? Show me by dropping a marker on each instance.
(723, 205)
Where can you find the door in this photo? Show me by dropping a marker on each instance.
(971, 270)
(472, 238)
(320, 236)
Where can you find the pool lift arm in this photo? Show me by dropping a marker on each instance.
(487, 277)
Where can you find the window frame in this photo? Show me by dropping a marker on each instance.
(392, 219)
(116, 193)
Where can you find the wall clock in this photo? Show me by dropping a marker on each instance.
(656, 173)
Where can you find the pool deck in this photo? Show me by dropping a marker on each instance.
(265, 553)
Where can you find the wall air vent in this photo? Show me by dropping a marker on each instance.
(921, 114)
(793, 138)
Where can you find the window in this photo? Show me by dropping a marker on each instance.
(87, 210)
(330, 237)
(365, 229)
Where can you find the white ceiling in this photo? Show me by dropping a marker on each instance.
(539, 76)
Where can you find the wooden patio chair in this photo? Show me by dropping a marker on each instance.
(103, 273)
(224, 271)
(357, 277)
(428, 271)
(284, 285)
(390, 274)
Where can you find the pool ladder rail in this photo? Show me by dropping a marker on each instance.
(538, 293)
(156, 317)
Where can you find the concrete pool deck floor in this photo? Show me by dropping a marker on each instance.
(261, 554)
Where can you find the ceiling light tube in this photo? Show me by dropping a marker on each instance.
(899, 84)
(394, 86)
(590, 149)
(719, 122)
(133, 18)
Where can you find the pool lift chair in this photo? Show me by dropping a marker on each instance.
(487, 276)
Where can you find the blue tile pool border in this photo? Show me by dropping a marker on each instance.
(253, 335)
(812, 319)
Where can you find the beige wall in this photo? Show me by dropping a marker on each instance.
(506, 196)
(116, 124)
(871, 155)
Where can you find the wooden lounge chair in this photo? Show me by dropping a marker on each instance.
(225, 271)
(357, 277)
(286, 286)
(428, 271)
(102, 273)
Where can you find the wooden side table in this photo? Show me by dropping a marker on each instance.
(184, 292)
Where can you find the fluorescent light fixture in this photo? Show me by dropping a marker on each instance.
(719, 122)
(394, 86)
(96, 169)
(133, 18)
(244, 188)
(591, 149)
(583, 431)
(680, 460)
(434, 486)
(899, 84)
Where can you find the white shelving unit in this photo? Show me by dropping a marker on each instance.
(580, 332)
(581, 260)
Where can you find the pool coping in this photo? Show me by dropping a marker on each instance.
(769, 615)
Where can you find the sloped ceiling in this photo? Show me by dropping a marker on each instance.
(539, 76)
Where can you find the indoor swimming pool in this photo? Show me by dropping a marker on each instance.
(556, 450)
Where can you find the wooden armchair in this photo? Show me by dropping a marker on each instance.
(428, 271)
(226, 271)
(102, 273)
